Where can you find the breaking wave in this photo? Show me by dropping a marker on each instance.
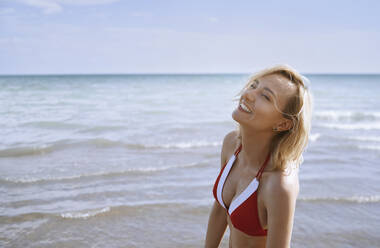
(105, 174)
(98, 142)
(347, 116)
(85, 214)
(352, 199)
(352, 126)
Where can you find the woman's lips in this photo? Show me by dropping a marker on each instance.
(244, 108)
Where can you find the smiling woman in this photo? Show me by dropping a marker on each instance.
(256, 190)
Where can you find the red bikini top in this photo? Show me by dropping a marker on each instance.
(243, 210)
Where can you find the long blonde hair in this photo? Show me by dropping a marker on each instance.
(287, 146)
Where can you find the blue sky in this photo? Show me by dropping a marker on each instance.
(111, 36)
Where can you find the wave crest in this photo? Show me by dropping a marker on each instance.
(352, 199)
(97, 142)
(357, 126)
(106, 174)
(85, 214)
(347, 116)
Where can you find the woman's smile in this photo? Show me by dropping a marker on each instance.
(244, 108)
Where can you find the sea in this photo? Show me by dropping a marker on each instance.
(130, 160)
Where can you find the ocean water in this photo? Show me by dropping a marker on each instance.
(130, 160)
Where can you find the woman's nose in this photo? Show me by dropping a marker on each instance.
(249, 95)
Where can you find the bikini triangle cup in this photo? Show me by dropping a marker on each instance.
(243, 209)
(251, 188)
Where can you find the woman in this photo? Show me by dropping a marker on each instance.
(256, 190)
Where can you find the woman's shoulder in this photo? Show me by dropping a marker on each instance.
(230, 144)
(281, 183)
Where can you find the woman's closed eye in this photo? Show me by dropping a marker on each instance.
(254, 86)
(266, 97)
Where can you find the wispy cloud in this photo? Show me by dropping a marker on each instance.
(86, 2)
(213, 19)
(48, 7)
(141, 14)
(55, 6)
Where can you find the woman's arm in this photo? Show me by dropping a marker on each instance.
(280, 203)
(217, 224)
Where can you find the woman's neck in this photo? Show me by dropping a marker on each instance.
(255, 146)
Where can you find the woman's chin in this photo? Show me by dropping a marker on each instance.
(236, 116)
(242, 118)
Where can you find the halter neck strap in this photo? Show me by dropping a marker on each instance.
(238, 150)
(261, 170)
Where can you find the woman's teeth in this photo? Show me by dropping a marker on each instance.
(245, 108)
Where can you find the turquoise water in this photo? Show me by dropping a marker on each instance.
(129, 160)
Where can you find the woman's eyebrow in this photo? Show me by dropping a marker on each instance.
(266, 88)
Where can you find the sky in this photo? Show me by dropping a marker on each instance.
(162, 36)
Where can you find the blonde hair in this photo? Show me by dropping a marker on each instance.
(287, 146)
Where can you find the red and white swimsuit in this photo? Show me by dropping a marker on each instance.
(243, 210)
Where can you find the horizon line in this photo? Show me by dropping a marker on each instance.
(179, 73)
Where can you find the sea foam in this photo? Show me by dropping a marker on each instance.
(350, 199)
(102, 174)
(85, 214)
(43, 149)
(347, 115)
(353, 126)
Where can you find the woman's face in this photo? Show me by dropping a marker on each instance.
(257, 105)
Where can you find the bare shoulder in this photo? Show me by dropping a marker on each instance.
(230, 143)
(281, 185)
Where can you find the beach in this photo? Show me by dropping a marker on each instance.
(130, 160)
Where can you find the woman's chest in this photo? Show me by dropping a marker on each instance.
(236, 182)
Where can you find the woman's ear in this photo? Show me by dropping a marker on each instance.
(284, 125)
